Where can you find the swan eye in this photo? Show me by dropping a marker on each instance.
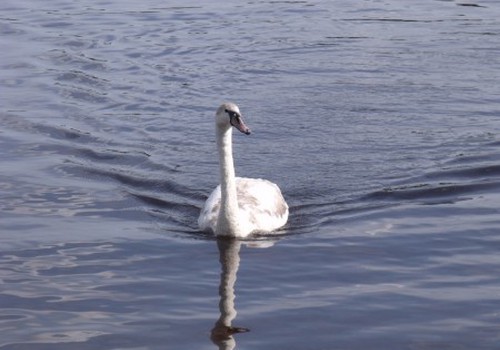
(232, 114)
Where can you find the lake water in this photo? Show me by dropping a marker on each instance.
(378, 119)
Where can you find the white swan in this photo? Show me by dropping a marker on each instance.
(239, 206)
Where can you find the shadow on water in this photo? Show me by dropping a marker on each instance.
(223, 331)
(222, 334)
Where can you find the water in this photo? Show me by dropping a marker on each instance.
(379, 121)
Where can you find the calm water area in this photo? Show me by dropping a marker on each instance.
(378, 119)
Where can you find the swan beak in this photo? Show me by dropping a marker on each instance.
(237, 121)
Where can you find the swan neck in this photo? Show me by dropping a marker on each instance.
(227, 223)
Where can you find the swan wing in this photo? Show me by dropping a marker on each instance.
(207, 221)
(262, 206)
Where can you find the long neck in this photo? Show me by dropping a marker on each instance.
(227, 223)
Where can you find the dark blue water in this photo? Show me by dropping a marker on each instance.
(379, 121)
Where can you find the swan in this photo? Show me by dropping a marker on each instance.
(239, 206)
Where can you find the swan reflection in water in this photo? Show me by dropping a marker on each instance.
(229, 257)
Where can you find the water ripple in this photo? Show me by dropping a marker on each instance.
(378, 121)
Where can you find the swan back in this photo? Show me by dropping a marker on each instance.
(261, 207)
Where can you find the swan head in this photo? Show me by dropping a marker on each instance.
(229, 115)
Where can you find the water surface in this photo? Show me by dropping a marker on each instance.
(379, 121)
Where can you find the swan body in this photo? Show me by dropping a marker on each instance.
(239, 206)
